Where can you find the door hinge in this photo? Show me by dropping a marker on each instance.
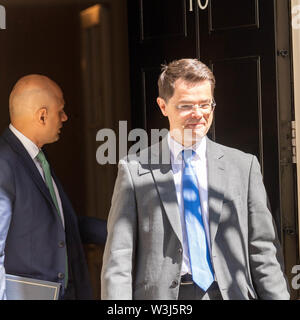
(283, 53)
(294, 144)
(289, 231)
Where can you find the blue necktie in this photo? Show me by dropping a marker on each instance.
(202, 271)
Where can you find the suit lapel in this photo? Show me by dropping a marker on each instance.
(163, 178)
(216, 184)
(28, 163)
(65, 202)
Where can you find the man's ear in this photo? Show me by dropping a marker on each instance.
(162, 105)
(41, 115)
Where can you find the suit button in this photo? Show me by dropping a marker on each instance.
(174, 284)
(180, 250)
(61, 244)
(61, 275)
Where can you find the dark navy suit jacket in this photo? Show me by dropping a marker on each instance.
(36, 241)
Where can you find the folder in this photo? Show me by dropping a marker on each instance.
(22, 288)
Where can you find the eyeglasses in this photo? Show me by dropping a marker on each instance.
(205, 107)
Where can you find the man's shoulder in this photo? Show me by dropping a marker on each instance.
(8, 156)
(231, 154)
(232, 150)
(156, 153)
(5, 147)
(7, 159)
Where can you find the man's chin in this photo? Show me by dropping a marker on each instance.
(56, 138)
(189, 136)
(195, 134)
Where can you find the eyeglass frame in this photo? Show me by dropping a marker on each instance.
(197, 106)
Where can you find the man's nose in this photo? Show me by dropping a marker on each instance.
(64, 117)
(197, 112)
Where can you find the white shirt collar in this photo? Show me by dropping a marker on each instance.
(31, 147)
(176, 148)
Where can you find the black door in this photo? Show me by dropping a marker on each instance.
(237, 39)
(159, 31)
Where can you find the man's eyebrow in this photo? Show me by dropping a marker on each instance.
(193, 102)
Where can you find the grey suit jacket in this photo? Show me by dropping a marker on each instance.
(143, 253)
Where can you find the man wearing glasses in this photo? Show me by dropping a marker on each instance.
(197, 226)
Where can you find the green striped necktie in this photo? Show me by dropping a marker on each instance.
(48, 179)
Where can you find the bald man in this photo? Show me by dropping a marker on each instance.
(39, 233)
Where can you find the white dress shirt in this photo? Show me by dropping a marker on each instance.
(33, 151)
(199, 163)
